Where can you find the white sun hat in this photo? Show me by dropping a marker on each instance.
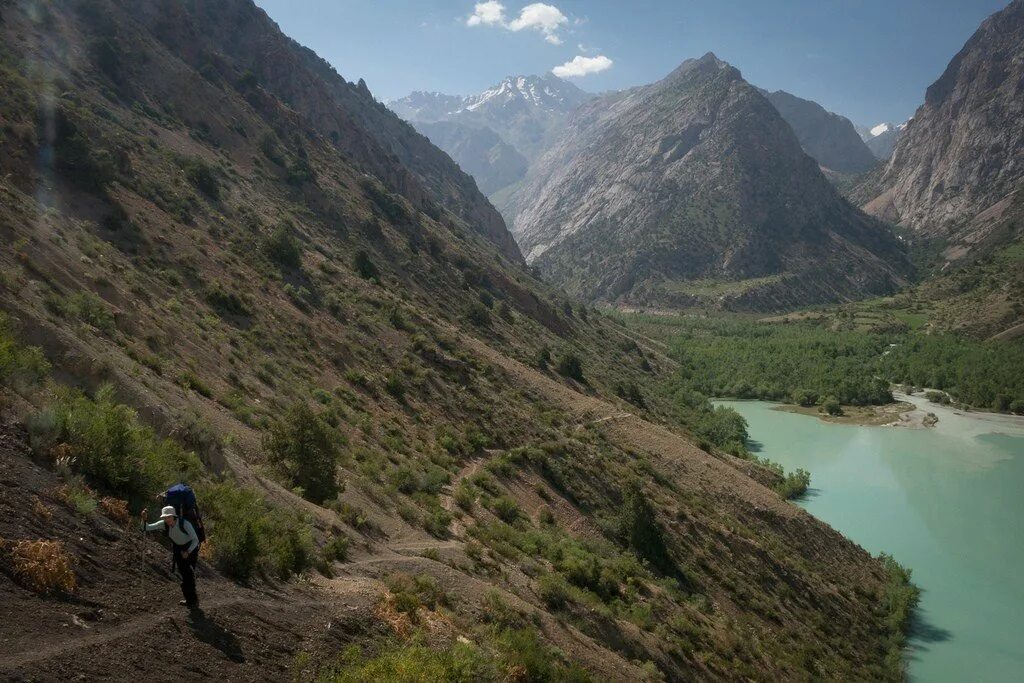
(168, 511)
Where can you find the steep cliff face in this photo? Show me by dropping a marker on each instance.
(696, 177)
(961, 158)
(828, 138)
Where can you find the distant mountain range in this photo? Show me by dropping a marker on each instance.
(881, 138)
(491, 134)
(523, 110)
(829, 138)
(696, 178)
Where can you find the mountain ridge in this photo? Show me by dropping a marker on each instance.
(679, 162)
(958, 161)
(827, 137)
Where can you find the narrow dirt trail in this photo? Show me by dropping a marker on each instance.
(128, 628)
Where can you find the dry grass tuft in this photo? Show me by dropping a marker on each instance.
(116, 509)
(387, 611)
(40, 510)
(41, 566)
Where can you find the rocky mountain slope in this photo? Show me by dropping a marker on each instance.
(958, 164)
(223, 262)
(480, 152)
(695, 189)
(830, 139)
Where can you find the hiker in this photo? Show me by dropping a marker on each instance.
(186, 549)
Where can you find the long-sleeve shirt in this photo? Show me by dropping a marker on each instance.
(181, 533)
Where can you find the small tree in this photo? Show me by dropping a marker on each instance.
(306, 449)
(570, 365)
(640, 528)
(831, 406)
(283, 249)
(478, 314)
(364, 266)
(803, 397)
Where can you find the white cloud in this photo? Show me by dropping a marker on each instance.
(545, 18)
(487, 13)
(537, 16)
(580, 66)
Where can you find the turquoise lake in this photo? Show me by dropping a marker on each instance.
(946, 501)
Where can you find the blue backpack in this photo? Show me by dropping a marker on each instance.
(183, 499)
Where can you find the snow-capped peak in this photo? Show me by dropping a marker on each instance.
(879, 129)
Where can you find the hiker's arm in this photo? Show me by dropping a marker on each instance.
(155, 526)
(193, 537)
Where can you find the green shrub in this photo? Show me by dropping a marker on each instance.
(831, 406)
(226, 302)
(437, 522)
(19, 365)
(77, 157)
(395, 385)
(554, 590)
(282, 248)
(247, 534)
(202, 176)
(390, 205)
(364, 266)
(641, 530)
(110, 446)
(545, 516)
(794, 485)
(353, 515)
(465, 495)
(306, 449)
(188, 380)
(414, 591)
(106, 54)
(570, 365)
(630, 392)
(478, 314)
(804, 397)
(336, 549)
(86, 307)
(416, 663)
(505, 508)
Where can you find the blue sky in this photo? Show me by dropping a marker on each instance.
(870, 60)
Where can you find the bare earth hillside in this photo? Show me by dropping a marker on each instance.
(265, 265)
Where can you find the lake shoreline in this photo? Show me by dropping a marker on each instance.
(944, 501)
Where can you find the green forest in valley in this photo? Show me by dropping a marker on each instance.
(811, 362)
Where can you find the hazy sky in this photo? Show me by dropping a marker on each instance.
(870, 60)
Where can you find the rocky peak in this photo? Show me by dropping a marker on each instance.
(695, 177)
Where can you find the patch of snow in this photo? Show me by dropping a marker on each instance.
(879, 129)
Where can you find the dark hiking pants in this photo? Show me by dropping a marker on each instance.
(187, 569)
